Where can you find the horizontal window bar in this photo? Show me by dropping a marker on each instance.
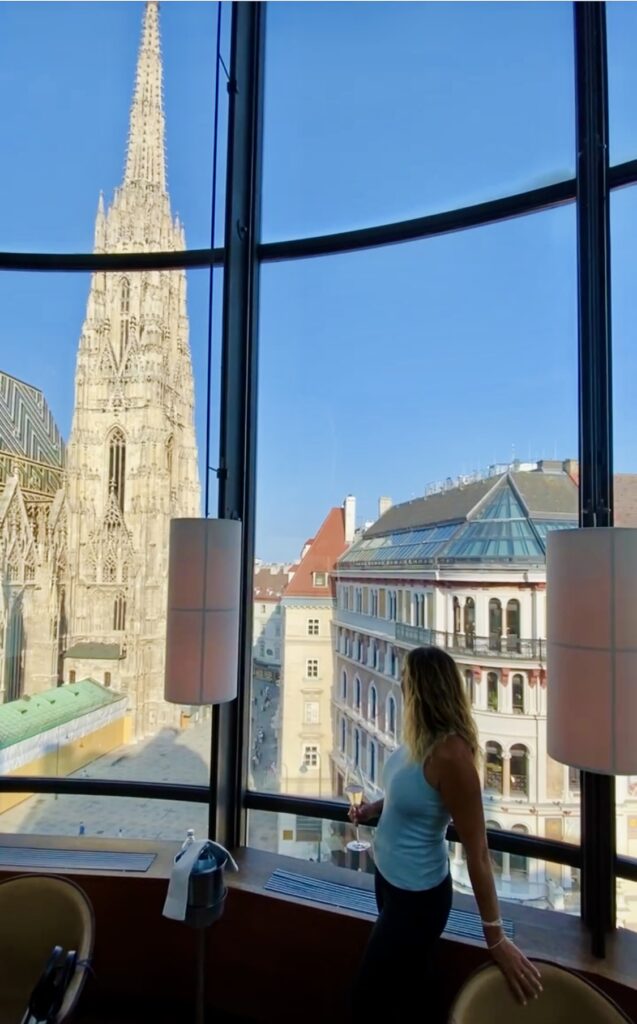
(332, 810)
(62, 262)
(626, 867)
(104, 787)
(461, 218)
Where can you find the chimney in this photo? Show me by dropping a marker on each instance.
(571, 466)
(350, 518)
(384, 505)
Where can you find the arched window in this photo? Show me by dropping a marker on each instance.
(372, 704)
(492, 691)
(117, 466)
(119, 613)
(371, 762)
(520, 769)
(495, 855)
(343, 735)
(456, 618)
(357, 747)
(357, 694)
(390, 716)
(344, 685)
(493, 768)
(470, 623)
(513, 625)
(519, 865)
(495, 624)
(124, 297)
(469, 686)
(517, 694)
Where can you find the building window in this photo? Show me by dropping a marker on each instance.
(574, 780)
(519, 865)
(357, 694)
(495, 624)
(517, 694)
(493, 768)
(311, 755)
(312, 627)
(470, 623)
(391, 716)
(456, 618)
(311, 712)
(469, 685)
(72, 676)
(124, 305)
(520, 770)
(374, 603)
(107, 679)
(492, 691)
(357, 748)
(119, 613)
(319, 579)
(513, 625)
(261, 648)
(371, 762)
(312, 668)
(309, 830)
(495, 855)
(343, 735)
(343, 685)
(117, 467)
(372, 704)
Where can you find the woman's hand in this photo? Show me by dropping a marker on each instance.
(364, 812)
(523, 976)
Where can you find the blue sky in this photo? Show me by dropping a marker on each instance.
(381, 371)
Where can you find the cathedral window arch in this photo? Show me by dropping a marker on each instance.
(124, 297)
(119, 613)
(117, 466)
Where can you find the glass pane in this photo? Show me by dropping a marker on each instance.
(400, 110)
(67, 108)
(621, 27)
(309, 839)
(100, 817)
(401, 366)
(102, 442)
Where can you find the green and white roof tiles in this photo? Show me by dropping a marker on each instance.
(31, 716)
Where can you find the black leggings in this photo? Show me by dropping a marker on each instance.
(397, 969)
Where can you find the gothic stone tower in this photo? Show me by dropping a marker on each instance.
(132, 453)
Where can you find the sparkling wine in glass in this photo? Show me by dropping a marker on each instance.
(354, 794)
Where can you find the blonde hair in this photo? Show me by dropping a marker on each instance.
(435, 703)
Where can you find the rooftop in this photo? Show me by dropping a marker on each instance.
(319, 559)
(30, 716)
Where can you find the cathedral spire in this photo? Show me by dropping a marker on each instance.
(145, 159)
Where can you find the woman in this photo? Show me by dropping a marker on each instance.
(429, 780)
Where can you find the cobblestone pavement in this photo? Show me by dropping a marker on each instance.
(170, 756)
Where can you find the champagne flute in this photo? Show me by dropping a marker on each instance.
(354, 793)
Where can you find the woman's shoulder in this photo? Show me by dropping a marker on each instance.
(452, 748)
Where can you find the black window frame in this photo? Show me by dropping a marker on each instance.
(228, 797)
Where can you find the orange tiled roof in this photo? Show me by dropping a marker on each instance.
(321, 556)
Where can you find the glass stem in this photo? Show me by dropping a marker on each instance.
(358, 838)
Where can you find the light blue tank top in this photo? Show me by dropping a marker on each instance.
(409, 846)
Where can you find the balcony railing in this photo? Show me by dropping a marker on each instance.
(494, 646)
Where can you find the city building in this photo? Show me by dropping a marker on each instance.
(307, 674)
(464, 568)
(83, 563)
(270, 582)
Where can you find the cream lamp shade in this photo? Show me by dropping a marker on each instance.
(202, 627)
(591, 584)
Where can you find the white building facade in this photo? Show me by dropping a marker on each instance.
(464, 569)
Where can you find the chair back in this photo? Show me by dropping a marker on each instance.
(566, 997)
(37, 913)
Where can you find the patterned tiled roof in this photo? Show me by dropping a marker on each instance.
(27, 426)
(30, 716)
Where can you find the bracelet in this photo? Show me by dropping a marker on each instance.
(492, 924)
(498, 943)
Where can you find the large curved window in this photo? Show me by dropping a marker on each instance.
(519, 770)
(493, 767)
(411, 141)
